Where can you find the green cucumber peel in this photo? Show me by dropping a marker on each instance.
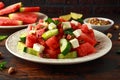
(69, 55)
(65, 46)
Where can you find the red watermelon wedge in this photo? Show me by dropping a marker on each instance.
(9, 22)
(29, 9)
(26, 17)
(4, 17)
(1, 5)
(85, 49)
(10, 9)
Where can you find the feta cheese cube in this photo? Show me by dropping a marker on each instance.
(32, 32)
(77, 32)
(45, 24)
(66, 25)
(38, 47)
(51, 26)
(74, 22)
(74, 43)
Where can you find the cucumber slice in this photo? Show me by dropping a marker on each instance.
(21, 46)
(65, 46)
(49, 33)
(23, 37)
(32, 51)
(72, 54)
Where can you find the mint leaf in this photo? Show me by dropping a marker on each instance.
(49, 20)
(69, 31)
(80, 20)
(2, 37)
(2, 65)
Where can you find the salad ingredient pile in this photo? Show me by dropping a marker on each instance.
(57, 38)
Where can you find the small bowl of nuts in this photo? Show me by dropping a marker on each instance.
(99, 23)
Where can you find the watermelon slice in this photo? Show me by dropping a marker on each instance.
(1, 5)
(85, 49)
(5, 21)
(10, 9)
(29, 9)
(88, 32)
(84, 37)
(30, 40)
(26, 17)
(2, 17)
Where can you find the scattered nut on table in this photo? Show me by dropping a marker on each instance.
(116, 27)
(119, 38)
(109, 35)
(11, 70)
(119, 34)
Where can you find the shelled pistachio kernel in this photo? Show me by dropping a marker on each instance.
(116, 27)
(119, 38)
(118, 34)
(11, 70)
(109, 35)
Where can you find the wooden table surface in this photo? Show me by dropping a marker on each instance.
(104, 68)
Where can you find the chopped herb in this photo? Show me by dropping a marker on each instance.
(80, 20)
(49, 20)
(2, 37)
(2, 65)
(69, 31)
(56, 22)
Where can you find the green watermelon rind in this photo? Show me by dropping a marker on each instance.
(30, 9)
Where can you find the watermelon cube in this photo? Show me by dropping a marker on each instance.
(85, 49)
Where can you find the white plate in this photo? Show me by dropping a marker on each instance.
(103, 48)
(41, 16)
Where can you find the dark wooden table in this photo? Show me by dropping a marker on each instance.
(104, 68)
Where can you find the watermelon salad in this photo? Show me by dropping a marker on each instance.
(56, 38)
(17, 14)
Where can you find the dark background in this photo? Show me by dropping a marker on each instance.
(55, 8)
